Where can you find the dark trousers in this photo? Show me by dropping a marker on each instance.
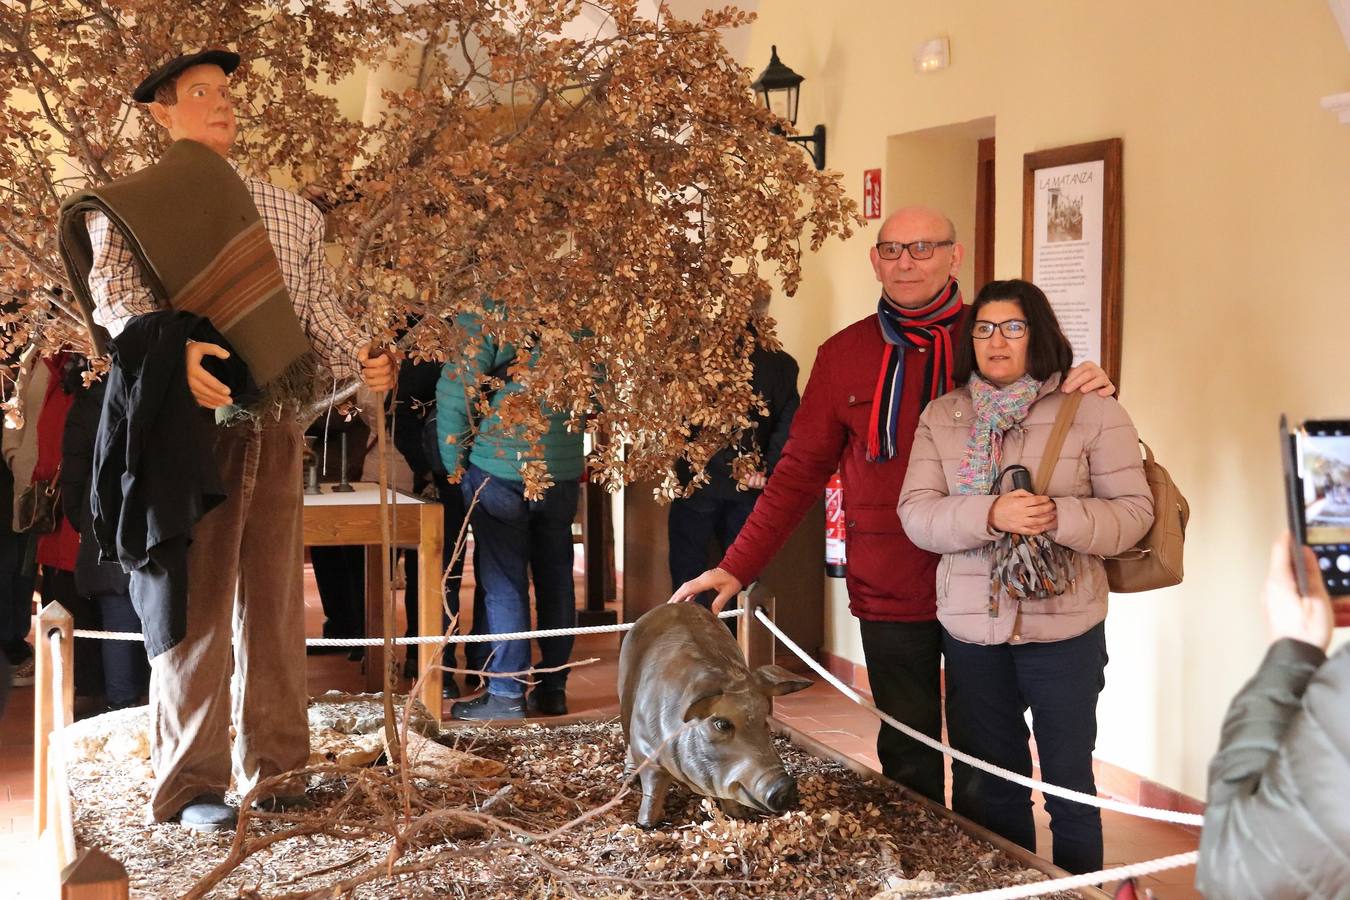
(695, 521)
(904, 668)
(989, 690)
(519, 541)
(453, 512)
(16, 595)
(126, 669)
(340, 576)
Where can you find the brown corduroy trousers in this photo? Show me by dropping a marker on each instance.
(245, 631)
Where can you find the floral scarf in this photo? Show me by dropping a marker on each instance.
(996, 410)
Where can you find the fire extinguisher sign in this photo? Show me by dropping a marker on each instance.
(872, 194)
(836, 552)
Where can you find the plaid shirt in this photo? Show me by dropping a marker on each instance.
(296, 229)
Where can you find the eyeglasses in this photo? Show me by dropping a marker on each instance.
(1012, 329)
(918, 250)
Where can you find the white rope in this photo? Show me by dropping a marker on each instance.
(1091, 879)
(56, 744)
(1146, 812)
(425, 639)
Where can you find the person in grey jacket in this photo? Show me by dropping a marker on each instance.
(1277, 821)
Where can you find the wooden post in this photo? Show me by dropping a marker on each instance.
(94, 875)
(53, 617)
(430, 600)
(757, 642)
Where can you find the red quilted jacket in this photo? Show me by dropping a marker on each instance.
(889, 579)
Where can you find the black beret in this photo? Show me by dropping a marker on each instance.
(145, 91)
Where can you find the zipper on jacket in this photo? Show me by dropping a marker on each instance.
(1017, 624)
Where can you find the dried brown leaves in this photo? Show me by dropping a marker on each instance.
(548, 827)
(620, 196)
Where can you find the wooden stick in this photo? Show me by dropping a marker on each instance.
(430, 578)
(386, 576)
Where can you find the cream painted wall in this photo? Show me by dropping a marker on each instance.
(1236, 227)
(937, 167)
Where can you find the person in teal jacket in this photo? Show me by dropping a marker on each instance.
(513, 535)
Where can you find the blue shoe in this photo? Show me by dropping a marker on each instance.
(487, 706)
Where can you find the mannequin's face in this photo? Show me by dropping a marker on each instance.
(204, 111)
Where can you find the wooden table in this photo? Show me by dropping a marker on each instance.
(336, 519)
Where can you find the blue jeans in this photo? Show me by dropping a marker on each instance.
(514, 539)
(989, 689)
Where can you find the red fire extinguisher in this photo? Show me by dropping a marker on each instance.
(836, 552)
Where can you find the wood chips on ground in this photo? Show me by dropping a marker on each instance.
(848, 837)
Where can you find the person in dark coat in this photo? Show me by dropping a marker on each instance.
(340, 571)
(716, 511)
(126, 670)
(57, 550)
(414, 433)
(1277, 824)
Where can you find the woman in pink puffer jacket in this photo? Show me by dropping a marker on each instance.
(1005, 655)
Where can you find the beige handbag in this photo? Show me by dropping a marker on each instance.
(1156, 561)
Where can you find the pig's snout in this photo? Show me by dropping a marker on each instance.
(782, 793)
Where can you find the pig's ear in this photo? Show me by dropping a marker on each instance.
(701, 706)
(774, 681)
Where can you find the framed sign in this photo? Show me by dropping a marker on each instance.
(1071, 243)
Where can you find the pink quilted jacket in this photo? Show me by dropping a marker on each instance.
(1101, 498)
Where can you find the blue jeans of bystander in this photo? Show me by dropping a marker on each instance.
(515, 539)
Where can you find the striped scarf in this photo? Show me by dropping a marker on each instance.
(926, 326)
(996, 410)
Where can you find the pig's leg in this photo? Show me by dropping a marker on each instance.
(655, 783)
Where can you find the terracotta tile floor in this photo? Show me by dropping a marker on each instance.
(819, 711)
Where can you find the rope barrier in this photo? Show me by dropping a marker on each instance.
(1014, 892)
(1146, 812)
(425, 639)
(1090, 879)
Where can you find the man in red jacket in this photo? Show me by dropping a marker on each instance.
(858, 415)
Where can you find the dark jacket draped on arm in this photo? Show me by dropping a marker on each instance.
(154, 469)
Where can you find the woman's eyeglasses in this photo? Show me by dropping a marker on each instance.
(1012, 329)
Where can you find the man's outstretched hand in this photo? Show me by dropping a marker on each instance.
(208, 390)
(1087, 377)
(720, 580)
(377, 368)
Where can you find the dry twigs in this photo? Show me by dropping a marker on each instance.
(559, 823)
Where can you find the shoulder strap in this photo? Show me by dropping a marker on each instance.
(1067, 410)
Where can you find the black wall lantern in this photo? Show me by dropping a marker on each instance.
(779, 88)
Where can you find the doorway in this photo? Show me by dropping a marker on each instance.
(951, 168)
